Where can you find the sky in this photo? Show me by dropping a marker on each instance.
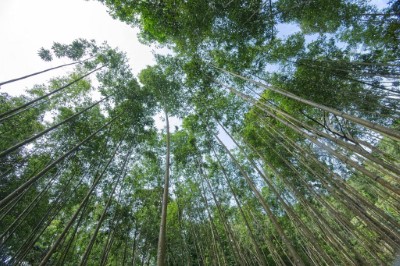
(28, 25)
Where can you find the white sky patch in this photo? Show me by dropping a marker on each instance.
(174, 122)
(225, 138)
(26, 26)
(380, 3)
(286, 29)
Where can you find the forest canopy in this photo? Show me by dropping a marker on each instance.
(287, 154)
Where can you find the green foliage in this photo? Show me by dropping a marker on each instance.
(297, 181)
(321, 16)
(45, 54)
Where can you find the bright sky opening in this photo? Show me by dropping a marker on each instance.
(26, 26)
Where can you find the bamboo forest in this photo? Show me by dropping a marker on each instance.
(287, 151)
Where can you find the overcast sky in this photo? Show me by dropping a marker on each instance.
(27, 25)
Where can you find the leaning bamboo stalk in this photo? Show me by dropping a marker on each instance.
(345, 224)
(292, 251)
(14, 225)
(85, 256)
(276, 257)
(33, 179)
(54, 210)
(22, 143)
(313, 139)
(354, 205)
(228, 230)
(359, 199)
(383, 166)
(5, 115)
(324, 225)
(380, 164)
(375, 127)
(107, 248)
(250, 231)
(213, 226)
(305, 231)
(65, 252)
(346, 161)
(42, 71)
(10, 205)
(224, 218)
(73, 218)
(23, 251)
(215, 234)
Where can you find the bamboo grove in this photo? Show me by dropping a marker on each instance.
(288, 152)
